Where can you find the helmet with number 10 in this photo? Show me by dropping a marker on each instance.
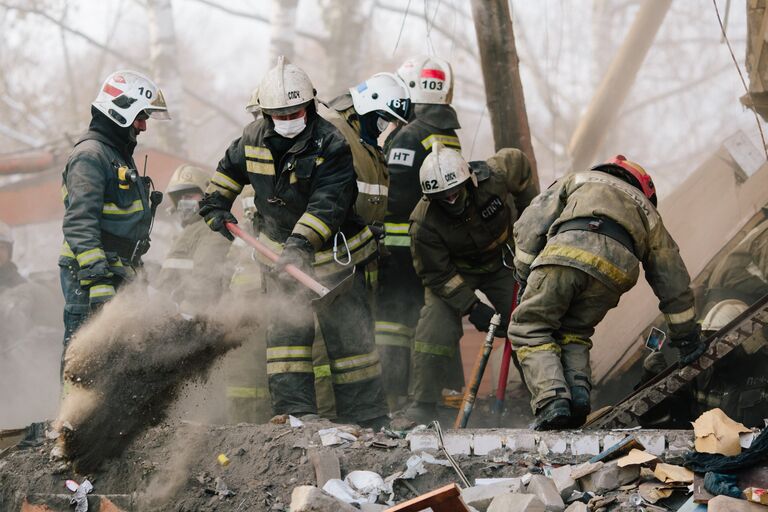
(125, 94)
(429, 79)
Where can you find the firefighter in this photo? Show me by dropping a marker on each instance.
(361, 118)
(577, 250)
(108, 206)
(737, 384)
(190, 274)
(460, 233)
(9, 274)
(302, 173)
(401, 295)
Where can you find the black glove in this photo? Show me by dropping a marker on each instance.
(298, 251)
(480, 315)
(689, 345)
(214, 208)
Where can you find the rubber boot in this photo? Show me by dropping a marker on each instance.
(376, 423)
(580, 406)
(421, 412)
(555, 415)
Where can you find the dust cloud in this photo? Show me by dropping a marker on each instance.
(127, 366)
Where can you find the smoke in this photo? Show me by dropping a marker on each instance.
(127, 366)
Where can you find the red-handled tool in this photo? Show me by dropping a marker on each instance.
(325, 296)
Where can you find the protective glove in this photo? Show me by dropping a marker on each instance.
(298, 251)
(690, 346)
(480, 315)
(214, 208)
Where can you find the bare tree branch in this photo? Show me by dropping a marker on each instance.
(433, 26)
(255, 17)
(128, 60)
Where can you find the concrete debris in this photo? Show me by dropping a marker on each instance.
(307, 498)
(585, 469)
(415, 465)
(80, 498)
(326, 465)
(516, 503)
(609, 477)
(577, 506)
(545, 489)
(335, 436)
(481, 496)
(367, 483)
(221, 488)
(563, 481)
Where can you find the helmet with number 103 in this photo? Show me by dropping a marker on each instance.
(429, 79)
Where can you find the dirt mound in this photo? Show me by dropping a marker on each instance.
(174, 467)
(126, 367)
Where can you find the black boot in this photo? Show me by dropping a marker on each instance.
(555, 415)
(376, 423)
(421, 412)
(580, 406)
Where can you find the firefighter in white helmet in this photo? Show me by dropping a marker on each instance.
(401, 295)
(302, 172)
(9, 274)
(460, 241)
(108, 204)
(361, 115)
(191, 271)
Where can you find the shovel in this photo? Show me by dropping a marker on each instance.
(325, 296)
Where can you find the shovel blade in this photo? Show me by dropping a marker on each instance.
(327, 300)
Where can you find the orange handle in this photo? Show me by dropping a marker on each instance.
(292, 270)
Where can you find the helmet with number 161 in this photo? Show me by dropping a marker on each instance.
(385, 94)
(125, 94)
(429, 79)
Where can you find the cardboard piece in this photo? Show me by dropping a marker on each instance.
(757, 495)
(654, 491)
(669, 473)
(636, 457)
(715, 432)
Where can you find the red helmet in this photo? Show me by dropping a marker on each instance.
(631, 172)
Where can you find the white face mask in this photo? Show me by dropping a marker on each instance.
(290, 128)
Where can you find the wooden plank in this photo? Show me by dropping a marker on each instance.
(444, 499)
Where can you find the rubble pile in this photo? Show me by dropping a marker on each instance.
(320, 466)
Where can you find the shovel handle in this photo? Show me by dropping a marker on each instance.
(265, 251)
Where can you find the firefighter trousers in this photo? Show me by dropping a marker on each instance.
(439, 330)
(399, 299)
(347, 329)
(551, 330)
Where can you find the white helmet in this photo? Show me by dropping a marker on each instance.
(429, 79)
(443, 169)
(125, 94)
(285, 89)
(385, 93)
(187, 177)
(253, 103)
